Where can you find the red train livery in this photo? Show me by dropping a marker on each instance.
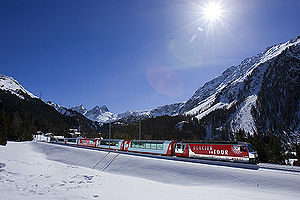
(87, 142)
(227, 151)
(239, 151)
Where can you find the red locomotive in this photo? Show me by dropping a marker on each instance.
(233, 151)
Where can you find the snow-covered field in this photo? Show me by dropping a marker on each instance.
(45, 171)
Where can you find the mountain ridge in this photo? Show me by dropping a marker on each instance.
(237, 99)
(238, 86)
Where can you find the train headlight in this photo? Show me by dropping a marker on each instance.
(252, 155)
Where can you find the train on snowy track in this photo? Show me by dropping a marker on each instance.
(225, 151)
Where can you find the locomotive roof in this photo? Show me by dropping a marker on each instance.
(213, 142)
(152, 140)
(111, 139)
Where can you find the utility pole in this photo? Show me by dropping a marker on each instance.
(140, 129)
(109, 133)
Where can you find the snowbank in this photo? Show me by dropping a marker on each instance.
(27, 174)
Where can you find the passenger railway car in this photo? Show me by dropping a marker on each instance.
(71, 141)
(227, 151)
(60, 140)
(87, 142)
(239, 151)
(150, 147)
(113, 144)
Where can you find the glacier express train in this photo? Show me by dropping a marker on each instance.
(226, 151)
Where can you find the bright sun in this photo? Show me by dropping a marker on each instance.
(212, 11)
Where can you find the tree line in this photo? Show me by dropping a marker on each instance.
(21, 118)
(270, 147)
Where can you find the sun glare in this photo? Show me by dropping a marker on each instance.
(212, 11)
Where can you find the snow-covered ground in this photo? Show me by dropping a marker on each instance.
(46, 171)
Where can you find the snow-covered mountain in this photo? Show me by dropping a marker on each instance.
(58, 107)
(103, 115)
(234, 98)
(10, 84)
(261, 94)
(100, 114)
(239, 98)
(81, 109)
(131, 116)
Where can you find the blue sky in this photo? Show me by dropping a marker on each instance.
(133, 54)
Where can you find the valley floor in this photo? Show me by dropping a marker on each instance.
(26, 173)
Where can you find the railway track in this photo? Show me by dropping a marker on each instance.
(267, 166)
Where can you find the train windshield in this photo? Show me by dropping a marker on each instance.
(250, 148)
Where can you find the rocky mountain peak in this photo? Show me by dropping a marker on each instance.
(99, 109)
(81, 109)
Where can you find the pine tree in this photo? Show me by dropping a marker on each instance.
(3, 128)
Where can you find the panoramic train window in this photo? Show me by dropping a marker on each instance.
(153, 146)
(147, 145)
(72, 140)
(112, 143)
(159, 146)
(243, 149)
(136, 144)
(91, 141)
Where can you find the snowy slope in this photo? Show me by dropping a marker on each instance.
(58, 107)
(238, 86)
(10, 84)
(27, 174)
(166, 171)
(233, 78)
(236, 89)
(239, 94)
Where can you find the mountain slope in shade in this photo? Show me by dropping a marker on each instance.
(241, 97)
(239, 94)
(278, 103)
(23, 114)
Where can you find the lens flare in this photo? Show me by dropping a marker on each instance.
(165, 81)
(212, 11)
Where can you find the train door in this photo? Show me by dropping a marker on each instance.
(179, 149)
(97, 142)
(126, 145)
(173, 149)
(170, 151)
